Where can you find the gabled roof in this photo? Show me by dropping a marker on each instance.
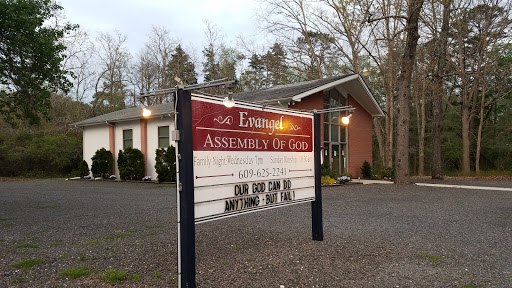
(132, 113)
(352, 84)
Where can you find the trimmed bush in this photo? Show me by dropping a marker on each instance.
(84, 169)
(165, 164)
(366, 170)
(131, 164)
(102, 163)
(327, 171)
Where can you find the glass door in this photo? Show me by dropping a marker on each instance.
(336, 157)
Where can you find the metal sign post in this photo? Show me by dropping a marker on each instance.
(186, 229)
(316, 206)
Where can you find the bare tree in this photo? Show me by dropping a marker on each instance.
(79, 61)
(114, 60)
(404, 91)
(478, 26)
(437, 99)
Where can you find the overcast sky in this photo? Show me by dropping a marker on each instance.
(183, 18)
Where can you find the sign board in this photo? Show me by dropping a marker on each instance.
(249, 157)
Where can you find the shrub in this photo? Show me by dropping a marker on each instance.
(326, 180)
(366, 170)
(84, 169)
(102, 163)
(165, 164)
(388, 173)
(131, 164)
(327, 171)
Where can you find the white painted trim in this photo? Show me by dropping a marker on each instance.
(298, 98)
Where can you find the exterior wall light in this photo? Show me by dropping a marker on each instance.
(345, 120)
(145, 111)
(229, 101)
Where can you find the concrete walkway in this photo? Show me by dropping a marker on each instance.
(366, 181)
(465, 187)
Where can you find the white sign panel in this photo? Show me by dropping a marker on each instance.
(249, 157)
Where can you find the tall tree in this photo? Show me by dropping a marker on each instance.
(476, 28)
(437, 99)
(30, 58)
(404, 92)
(110, 88)
(182, 67)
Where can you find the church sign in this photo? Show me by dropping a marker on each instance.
(249, 157)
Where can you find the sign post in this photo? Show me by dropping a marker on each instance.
(239, 160)
(316, 206)
(186, 229)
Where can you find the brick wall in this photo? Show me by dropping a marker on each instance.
(359, 131)
(315, 101)
(359, 138)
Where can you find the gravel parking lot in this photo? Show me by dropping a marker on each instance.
(374, 236)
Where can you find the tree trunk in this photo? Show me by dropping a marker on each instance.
(378, 132)
(466, 143)
(404, 92)
(420, 113)
(437, 99)
(480, 126)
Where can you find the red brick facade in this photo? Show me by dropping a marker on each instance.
(359, 130)
(359, 138)
(315, 101)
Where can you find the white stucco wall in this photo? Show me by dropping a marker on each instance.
(94, 138)
(97, 136)
(153, 125)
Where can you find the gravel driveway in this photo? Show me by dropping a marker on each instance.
(374, 236)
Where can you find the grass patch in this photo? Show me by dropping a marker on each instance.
(7, 219)
(154, 226)
(46, 207)
(152, 234)
(93, 242)
(117, 236)
(76, 272)
(2, 240)
(135, 278)
(471, 285)
(156, 275)
(27, 245)
(55, 244)
(433, 258)
(65, 256)
(163, 186)
(9, 225)
(237, 248)
(82, 257)
(27, 264)
(113, 276)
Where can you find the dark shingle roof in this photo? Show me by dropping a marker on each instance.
(285, 91)
(131, 113)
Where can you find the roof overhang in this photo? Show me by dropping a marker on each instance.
(353, 85)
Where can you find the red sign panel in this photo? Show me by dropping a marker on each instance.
(217, 128)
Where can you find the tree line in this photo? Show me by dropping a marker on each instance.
(440, 70)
